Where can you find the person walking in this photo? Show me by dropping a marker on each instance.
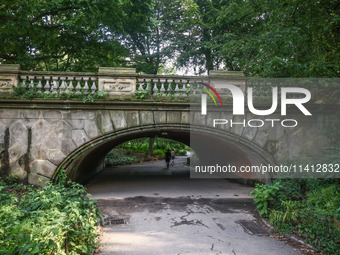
(172, 159)
(167, 158)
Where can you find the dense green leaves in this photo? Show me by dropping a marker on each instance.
(52, 220)
(262, 38)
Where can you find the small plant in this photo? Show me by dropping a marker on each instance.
(263, 195)
(141, 94)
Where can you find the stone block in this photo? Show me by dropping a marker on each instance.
(198, 119)
(104, 122)
(18, 132)
(261, 138)
(16, 151)
(237, 126)
(37, 180)
(160, 117)
(91, 128)
(79, 137)
(39, 130)
(63, 130)
(67, 146)
(39, 151)
(210, 118)
(185, 117)
(43, 167)
(249, 132)
(173, 117)
(118, 119)
(17, 170)
(146, 118)
(132, 118)
(55, 156)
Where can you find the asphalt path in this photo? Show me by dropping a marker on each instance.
(166, 212)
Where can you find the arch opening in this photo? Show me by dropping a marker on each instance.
(87, 160)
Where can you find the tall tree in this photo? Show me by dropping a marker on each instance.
(61, 35)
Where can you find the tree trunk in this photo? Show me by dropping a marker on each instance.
(151, 145)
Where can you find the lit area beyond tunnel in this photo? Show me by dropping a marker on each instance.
(85, 162)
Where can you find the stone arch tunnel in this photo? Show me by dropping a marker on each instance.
(39, 137)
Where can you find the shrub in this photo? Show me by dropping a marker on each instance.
(56, 219)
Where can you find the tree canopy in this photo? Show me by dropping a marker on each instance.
(297, 38)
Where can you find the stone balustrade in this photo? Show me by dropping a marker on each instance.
(117, 83)
(125, 83)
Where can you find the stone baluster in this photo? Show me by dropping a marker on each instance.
(24, 78)
(31, 78)
(55, 85)
(86, 86)
(140, 85)
(177, 88)
(47, 86)
(70, 87)
(39, 86)
(93, 87)
(78, 87)
(62, 85)
(162, 89)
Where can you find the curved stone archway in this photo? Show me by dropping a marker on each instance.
(87, 160)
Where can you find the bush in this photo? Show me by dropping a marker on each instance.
(303, 206)
(56, 219)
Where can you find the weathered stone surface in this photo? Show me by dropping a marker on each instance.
(104, 122)
(55, 156)
(40, 151)
(17, 170)
(18, 132)
(118, 119)
(2, 132)
(132, 118)
(52, 117)
(91, 128)
(249, 132)
(16, 151)
(37, 180)
(261, 138)
(173, 117)
(225, 116)
(146, 117)
(43, 167)
(198, 119)
(76, 123)
(63, 130)
(237, 126)
(67, 146)
(39, 130)
(160, 117)
(210, 118)
(79, 137)
(185, 117)
(52, 140)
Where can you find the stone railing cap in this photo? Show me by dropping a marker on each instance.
(227, 74)
(9, 67)
(116, 70)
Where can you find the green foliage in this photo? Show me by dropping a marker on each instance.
(141, 94)
(306, 207)
(160, 146)
(263, 195)
(120, 157)
(56, 219)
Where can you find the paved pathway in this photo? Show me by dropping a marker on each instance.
(169, 213)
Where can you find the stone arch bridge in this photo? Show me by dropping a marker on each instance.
(39, 137)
